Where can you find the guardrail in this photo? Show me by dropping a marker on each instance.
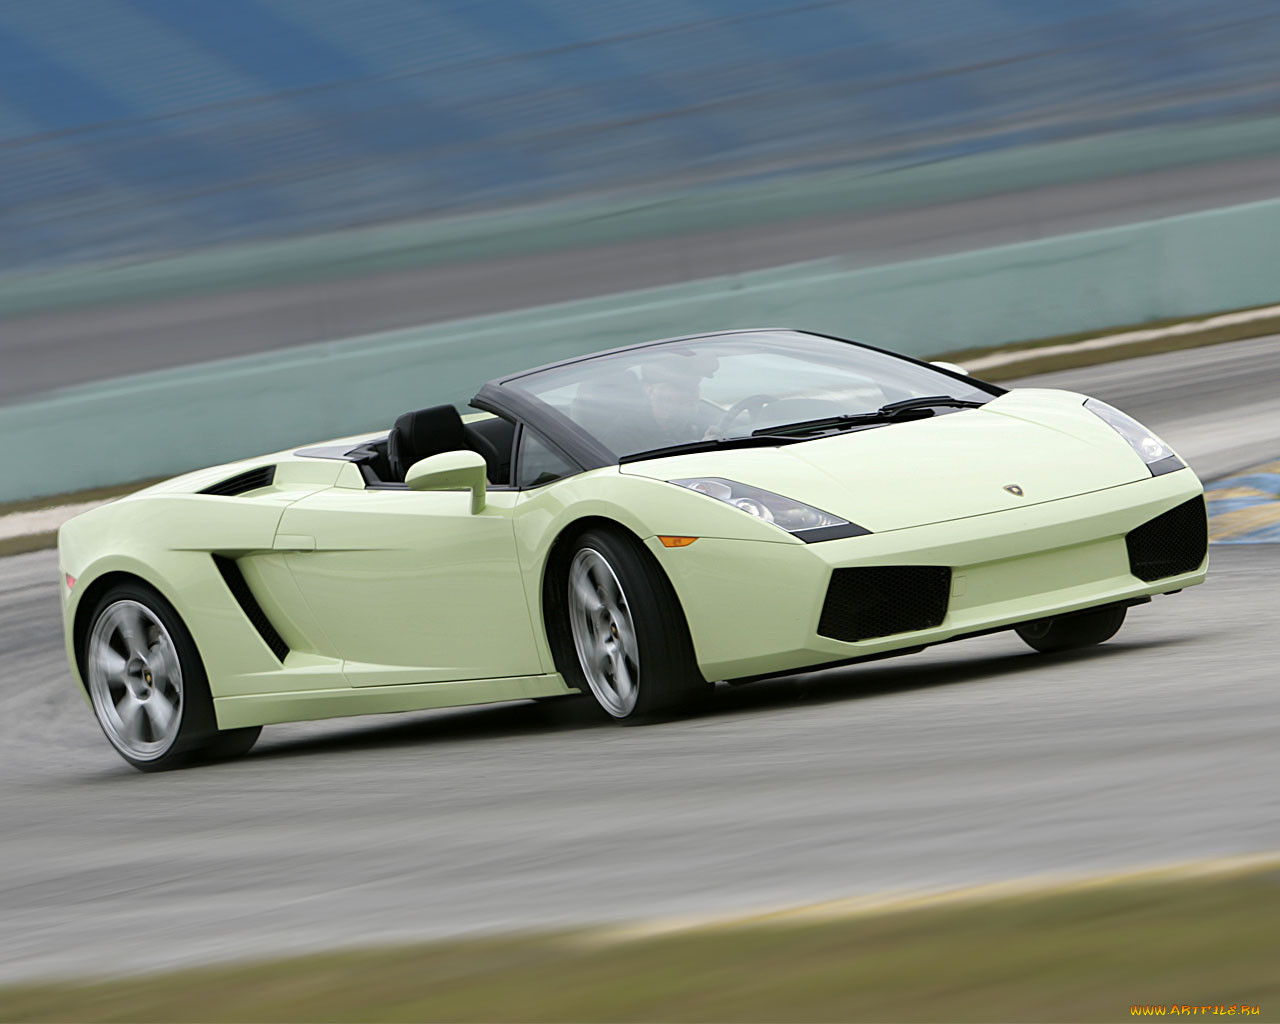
(174, 420)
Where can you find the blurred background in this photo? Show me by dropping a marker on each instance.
(142, 128)
(184, 181)
(232, 226)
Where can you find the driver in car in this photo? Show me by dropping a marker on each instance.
(673, 387)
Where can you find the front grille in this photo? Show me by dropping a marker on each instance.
(882, 600)
(249, 480)
(239, 588)
(1172, 543)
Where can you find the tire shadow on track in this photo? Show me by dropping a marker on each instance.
(571, 714)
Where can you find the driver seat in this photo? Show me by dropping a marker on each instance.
(426, 432)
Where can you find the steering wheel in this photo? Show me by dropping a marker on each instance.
(752, 403)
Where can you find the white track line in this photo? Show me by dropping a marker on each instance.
(41, 520)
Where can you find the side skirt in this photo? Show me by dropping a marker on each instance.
(306, 705)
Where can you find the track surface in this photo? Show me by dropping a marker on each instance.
(966, 763)
(1219, 406)
(59, 349)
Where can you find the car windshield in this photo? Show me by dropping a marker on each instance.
(730, 386)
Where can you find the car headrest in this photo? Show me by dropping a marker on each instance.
(426, 432)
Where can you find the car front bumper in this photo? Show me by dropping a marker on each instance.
(754, 607)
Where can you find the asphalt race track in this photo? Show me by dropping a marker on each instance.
(1219, 406)
(58, 349)
(966, 763)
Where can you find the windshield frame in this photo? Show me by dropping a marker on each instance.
(505, 396)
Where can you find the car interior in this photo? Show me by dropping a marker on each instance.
(425, 432)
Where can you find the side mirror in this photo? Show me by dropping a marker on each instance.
(942, 364)
(450, 471)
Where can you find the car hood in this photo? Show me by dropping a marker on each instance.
(1044, 443)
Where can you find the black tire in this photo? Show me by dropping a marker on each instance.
(231, 743)
(197, 736)
(1068, 632)
(667, 676)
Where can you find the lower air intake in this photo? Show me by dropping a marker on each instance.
(1172, 543)
(882, 600)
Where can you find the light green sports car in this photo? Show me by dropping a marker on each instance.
(633, 525)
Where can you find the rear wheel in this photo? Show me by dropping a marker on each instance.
(147, 684)
(625, 640)
(1068, 632)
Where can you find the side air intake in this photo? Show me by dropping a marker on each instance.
(249, 480)
(235, 581)
(1172, 543)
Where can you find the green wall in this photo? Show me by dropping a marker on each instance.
(174, 420)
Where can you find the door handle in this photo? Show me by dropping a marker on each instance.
(293, 542)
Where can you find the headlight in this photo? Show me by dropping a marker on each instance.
(807, 523)
(1155, 453)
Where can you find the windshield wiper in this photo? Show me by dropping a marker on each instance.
(791, 432)
(930, 402)
(885, 414)
(762, 439)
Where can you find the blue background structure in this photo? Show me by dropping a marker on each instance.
(137, 127)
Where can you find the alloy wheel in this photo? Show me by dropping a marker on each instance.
(135, 680)
(604, 633)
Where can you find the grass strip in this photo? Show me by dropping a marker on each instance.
(1083, 954)
(27, 542)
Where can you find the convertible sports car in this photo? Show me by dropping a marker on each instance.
(634, 525)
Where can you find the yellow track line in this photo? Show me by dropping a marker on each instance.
(1222, 494)
(1243, 520)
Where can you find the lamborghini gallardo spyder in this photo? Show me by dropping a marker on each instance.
(634, 526)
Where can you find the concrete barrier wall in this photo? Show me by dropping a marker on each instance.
(174, 420)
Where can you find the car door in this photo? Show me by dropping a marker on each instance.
(410, 586)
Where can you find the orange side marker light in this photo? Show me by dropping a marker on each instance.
(676, 542)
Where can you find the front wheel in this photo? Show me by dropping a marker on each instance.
(628, 644)
(1067, 632)
(147, 684)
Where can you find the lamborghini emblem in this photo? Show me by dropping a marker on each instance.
(1013, 489)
